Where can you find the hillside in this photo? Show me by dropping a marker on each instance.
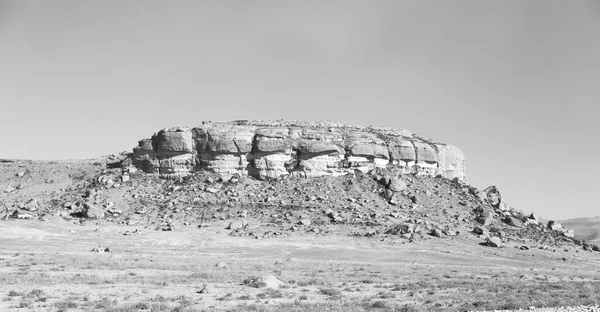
(586, 229)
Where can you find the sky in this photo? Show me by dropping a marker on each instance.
(514, 84)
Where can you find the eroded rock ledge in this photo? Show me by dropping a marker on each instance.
(270, 149)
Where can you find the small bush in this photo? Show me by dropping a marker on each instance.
(14, 293)
(331, 292)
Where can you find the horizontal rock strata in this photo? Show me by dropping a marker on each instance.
(271, 149)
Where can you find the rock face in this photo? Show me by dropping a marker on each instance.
(271, 149)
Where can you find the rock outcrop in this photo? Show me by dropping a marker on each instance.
(271, 149)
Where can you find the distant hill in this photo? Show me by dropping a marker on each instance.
(587, 229)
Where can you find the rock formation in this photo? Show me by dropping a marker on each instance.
(271, 149)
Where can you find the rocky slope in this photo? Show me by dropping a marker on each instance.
(383, 204)
(271, 149)
(586, 229)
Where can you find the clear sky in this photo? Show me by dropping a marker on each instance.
(514, 84)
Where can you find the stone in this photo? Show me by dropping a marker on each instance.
(397, 185)
(10, 189)
(221, 265)
(21, 214)
(555, 226)
(237, 224)
(569, 233)
(304, 222)
(31, 205)
(532, 216)
(485, 218)
(400, 229)
(266, 281)
(480, 231)
(492, 196)
(494, 242)
(92, 212)
(512, 221)
(90, 193)
(436, 233)
(272, 149)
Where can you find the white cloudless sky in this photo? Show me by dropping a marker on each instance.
(514, 84)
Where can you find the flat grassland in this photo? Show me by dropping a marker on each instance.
(50, 266)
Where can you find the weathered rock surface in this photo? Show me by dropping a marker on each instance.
(271, 149)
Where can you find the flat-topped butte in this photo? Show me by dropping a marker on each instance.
(271, 149)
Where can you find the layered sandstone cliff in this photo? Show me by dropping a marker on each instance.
(270, 149)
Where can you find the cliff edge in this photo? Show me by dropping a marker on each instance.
(271, 149)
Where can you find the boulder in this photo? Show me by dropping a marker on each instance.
(512, 221)
(92, 212)
(401, 229)
(485, 218)
(265, 281)
(480, 231)
(237, 224)
(494, 242)
(569, 233)
(21, 214)
(436, 233)
(31, 205)
(397, 185)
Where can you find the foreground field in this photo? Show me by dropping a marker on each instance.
(50, 266)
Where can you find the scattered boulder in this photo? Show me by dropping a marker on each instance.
(485, 218)
(569, 233)
(397, 185)
(436, 233)
(400, 229)
(493, 242)
(92, 212)
(221, 265)
(492, 196)
(512, 221)
(532, 216)
(101, 249)
(266, 281)
(21, 214)
(204, 290)
(237, 224)
(31, 205)
(555, 226)
(305, 222)
(480, 231)
(10, 189)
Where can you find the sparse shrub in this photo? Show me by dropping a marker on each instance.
(312, 281)
(386, 295)
(65, 305)
(303, 297)
(331, 292)
(25, 303)
(379, 304)
(227, 296)
(14, 293)
(253, 282)
(142, 306)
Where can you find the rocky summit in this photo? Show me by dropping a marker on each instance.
(271, 149)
